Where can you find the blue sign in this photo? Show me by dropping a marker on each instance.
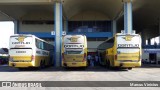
(151, 50)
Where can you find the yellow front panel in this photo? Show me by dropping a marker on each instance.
(75, 64)
(25, 61)
(21, 58)
(127, 64)
(21, 64)
(74, 58)
(128, 56)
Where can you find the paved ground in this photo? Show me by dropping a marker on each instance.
(90, 74)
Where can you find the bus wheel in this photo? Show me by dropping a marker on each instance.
(44, 64)
(21, 69)
(84, 68)
(130, 68)
(41, 65)
(108, 64)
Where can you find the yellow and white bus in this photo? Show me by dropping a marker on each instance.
(123, 50)
(74, 51)
(29, 51)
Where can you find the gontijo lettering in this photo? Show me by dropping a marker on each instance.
(21, 40)
(128, 45)
(73, 46)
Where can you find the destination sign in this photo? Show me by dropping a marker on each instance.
(20, 51)
(128, 45)
(21, 43)
(73, 46)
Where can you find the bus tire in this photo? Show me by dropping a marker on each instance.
(130, 68)
(21, 69)
(108, 64)
(44, 65)
(84, 68)
(41, 65)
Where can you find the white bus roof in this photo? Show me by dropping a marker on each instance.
(22, 35)
(75, 35)
(30, 35)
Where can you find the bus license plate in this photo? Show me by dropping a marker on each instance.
(73, 63)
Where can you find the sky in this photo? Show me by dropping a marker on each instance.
(7, 29)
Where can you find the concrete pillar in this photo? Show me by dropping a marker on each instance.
(16, 27)
(114, 27)
(58, 32)
(128, 16)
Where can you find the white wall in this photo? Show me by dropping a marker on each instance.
(37, 16)
(89, 16)
(36, 28)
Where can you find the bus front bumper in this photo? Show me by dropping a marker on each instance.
(74, 64)
(21, 64)
(127, 64)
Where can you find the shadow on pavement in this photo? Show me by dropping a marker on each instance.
(61, 69)
(150, 66)
(6, 68)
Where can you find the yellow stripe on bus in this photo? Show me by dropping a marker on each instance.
(19, 61)
(21, 57)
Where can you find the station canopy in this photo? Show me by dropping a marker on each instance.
(145, 12)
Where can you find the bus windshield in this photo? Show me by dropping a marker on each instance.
(74, 52)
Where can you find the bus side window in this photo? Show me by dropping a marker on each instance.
(37, 44)
(42, 45)
(46, 46)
